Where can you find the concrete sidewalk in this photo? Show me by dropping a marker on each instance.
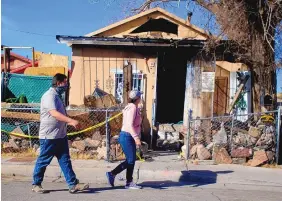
(163, 168)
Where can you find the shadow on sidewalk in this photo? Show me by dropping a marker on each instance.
(193, 178)
(90, 190)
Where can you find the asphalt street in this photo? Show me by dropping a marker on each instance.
(19, 188)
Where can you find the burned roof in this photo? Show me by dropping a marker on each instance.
(161, 25)
(129, 41)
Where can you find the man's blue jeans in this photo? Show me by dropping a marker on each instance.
(129, 149)
(49, 149)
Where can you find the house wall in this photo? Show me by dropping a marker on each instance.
(91, 64)
(184, 31)
(201, 102)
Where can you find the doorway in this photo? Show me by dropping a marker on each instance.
(171, 84)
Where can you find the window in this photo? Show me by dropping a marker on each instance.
(137, 83)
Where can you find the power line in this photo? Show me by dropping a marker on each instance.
(33, 33)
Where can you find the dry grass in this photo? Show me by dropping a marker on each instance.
(24, 153)
(31, 154)
(83, 156)
(273, 166)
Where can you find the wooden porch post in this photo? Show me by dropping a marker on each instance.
(127, 82)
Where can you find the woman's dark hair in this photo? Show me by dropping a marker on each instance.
(132, 100)
(58, 78)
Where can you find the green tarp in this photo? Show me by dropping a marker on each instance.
(32, 87)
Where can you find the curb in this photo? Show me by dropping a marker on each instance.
(97, 174)
(157, 171)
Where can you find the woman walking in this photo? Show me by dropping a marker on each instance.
(129, 138)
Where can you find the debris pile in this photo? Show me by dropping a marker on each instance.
(229, 141)
(170, 137)
(91, 141)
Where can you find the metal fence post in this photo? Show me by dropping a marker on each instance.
(278, 135)
(231, 132)
(188, 135)
(107, 136)
(28, 131)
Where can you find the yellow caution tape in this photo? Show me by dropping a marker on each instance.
(20, 135)
(267, 118)
(138, 156)
(69, 134)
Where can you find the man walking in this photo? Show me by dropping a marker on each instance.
(53, 137)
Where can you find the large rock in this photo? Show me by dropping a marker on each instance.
(259, 158)
(221, 156)
(251, 141)
(101, 153)
(241, 153)
(164, 135)
(11, 144)
(97, 135)
(220, 137)
(254, 132)
(203, 153)
(210, 146)
(80, 145)
(200, 137)
(92, 143)
(270, 155)
(240, 139)
(17, 130)
(74, 151)
(193, 151)
(25, 144)
(266, 141)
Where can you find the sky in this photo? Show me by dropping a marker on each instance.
(37, 22)
(48, 18)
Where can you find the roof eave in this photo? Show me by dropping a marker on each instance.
(98, 41)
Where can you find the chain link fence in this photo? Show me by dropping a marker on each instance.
(241, 139)
(95, 139)
(19, 88)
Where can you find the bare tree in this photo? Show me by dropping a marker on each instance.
(253, 28)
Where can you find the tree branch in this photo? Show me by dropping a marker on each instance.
(209, 5)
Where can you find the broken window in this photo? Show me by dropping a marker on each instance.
(161, 25)
(137, 83)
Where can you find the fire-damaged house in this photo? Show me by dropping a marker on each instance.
(160, 54)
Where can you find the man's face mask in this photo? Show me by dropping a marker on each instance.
(61, 89)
